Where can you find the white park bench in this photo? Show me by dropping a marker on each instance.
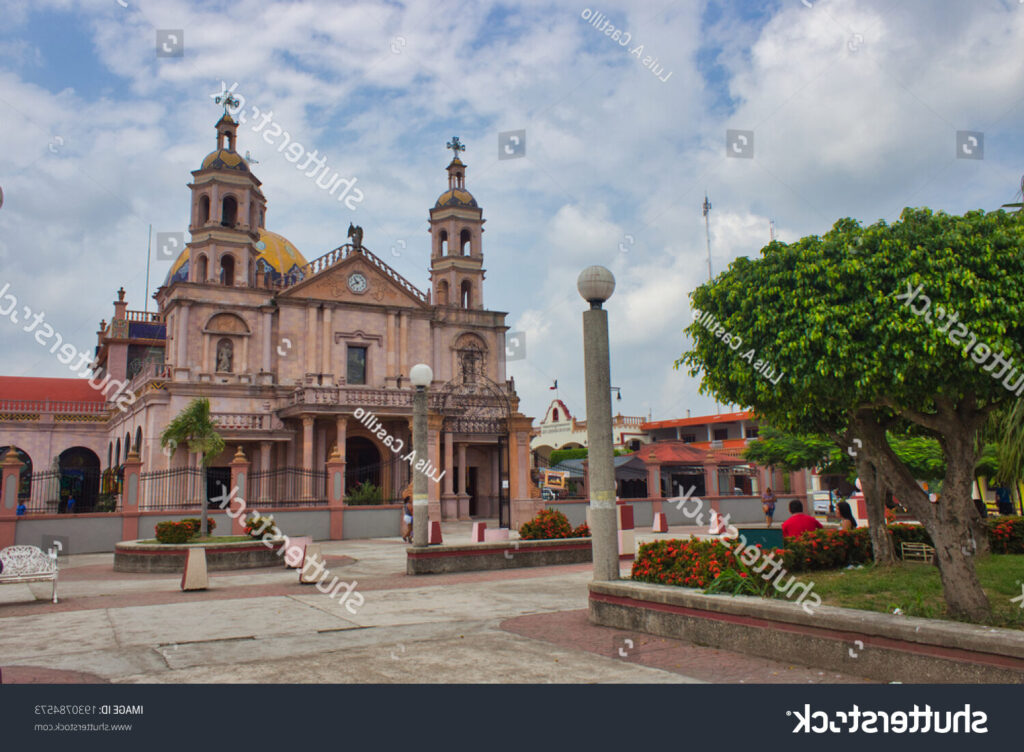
(28, 564)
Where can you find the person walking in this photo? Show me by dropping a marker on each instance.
(407, 521)
(846, 518)
(768, 505)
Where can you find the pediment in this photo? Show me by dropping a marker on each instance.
(343, 282)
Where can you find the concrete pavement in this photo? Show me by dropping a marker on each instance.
(258, 626)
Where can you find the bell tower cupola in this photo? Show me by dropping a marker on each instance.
(456, 252)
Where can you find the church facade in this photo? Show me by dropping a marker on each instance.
(293, 356)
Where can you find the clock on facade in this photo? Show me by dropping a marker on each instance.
(357, 283)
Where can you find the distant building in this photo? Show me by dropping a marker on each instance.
(558, 429)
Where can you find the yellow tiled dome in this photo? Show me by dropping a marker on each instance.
(222, 159)
(278, 257)
(456, 197)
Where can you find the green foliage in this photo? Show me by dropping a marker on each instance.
(259, 525)
(558, 455)
(828, 548)
(194, 427)
(699, 564)
(196, 523)
(106, 502)
(174, 532)
(365, 494)
(549, 523)
(921, 454)
(792, 452)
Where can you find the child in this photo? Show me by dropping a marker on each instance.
(407, 521)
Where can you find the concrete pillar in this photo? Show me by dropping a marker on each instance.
(711, 480)
(654, 486)
(336, 493)
(238, 502)
(420, 484)
(595, 285)
(9, 481)
(495, 482)
(434, 426)
(342, 435)
(448, 495)
(307, 454)
(130, 497)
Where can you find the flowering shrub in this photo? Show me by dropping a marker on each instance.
(174, 532)
(259, 525)
(698, 563)
(827, 548)
(549, 523)
(196, 524)
(1006, 534)
(583, 531)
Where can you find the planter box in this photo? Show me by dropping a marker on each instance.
(133, 556)
(506, 554)
(861, 643)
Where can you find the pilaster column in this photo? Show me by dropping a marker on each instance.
(181, 346)
(390, 347)
(264, 491)
(309, 340)
(325, 343)
(307, 454)
(10, 479)
(130, 497)
(342, 431)
(268, 327)
(448, 463)
(460, 490)
(403, 345)
(336, 493)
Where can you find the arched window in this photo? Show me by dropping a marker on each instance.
(554, 415)
(465, 245)
(227, 270)
(261, 217)
(442, 242)
(110, 453)
(204, 210)
(466, 291)
(118, 455)
(202, 269)
(138, 440)
(442, 292)
(229, 211)
(127, 445)
(225, 355)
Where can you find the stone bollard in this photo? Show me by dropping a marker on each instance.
(194, 577)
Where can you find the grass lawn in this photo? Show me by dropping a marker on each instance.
(210, 539)
(916, 589)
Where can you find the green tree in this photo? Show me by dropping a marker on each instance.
(193, 427)
(851, 335)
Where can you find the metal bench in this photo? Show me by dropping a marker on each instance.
(917, 552)
(28, 564)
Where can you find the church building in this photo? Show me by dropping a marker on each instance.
(293, 355)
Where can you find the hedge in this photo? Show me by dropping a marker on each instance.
(550, 523)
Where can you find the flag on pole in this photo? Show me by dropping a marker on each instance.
(554, 386)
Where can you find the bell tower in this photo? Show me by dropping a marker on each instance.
(456, 230)
(228, 211)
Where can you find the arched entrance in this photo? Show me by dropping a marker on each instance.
(79, 479)
(362, 466)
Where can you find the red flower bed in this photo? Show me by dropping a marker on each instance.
(550, 523)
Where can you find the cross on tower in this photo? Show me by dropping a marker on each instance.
(456, 146)
(228, 100)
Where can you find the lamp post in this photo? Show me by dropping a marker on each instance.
(420, 375)
(596, 285)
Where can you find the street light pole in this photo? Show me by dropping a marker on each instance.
(420, 375)
(596, 285)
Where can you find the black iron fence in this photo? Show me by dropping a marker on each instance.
(287, 487)
(66, 491)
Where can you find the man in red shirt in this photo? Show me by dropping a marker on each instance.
(798, 522)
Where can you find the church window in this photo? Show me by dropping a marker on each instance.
(227, 270)
(442, 242)
(202, 271)
(442, 292)
(554, 415)
(466, 294)
(204, 210)
(464, 242)
(229, 211)
(356, 372)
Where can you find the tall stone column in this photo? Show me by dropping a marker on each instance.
(434, 425)
(268, 327)
(307, 455)
(495, 482)
(461, 492)
(403, 344)
(325, 344)
(342, 435)
(449, 505)
(654, 487)
(336, 493)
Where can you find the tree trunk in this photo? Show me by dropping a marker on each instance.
(203, 528)
(947, 522)
(958, 491)
(874, 498)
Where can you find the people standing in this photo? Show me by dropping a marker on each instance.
(768, 505)
(798, 522)
(846, 519)
(407, 521)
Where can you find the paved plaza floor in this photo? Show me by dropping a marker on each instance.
(262, 626)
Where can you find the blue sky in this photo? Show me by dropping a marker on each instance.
(854, 106)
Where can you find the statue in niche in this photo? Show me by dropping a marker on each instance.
(225, 354)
